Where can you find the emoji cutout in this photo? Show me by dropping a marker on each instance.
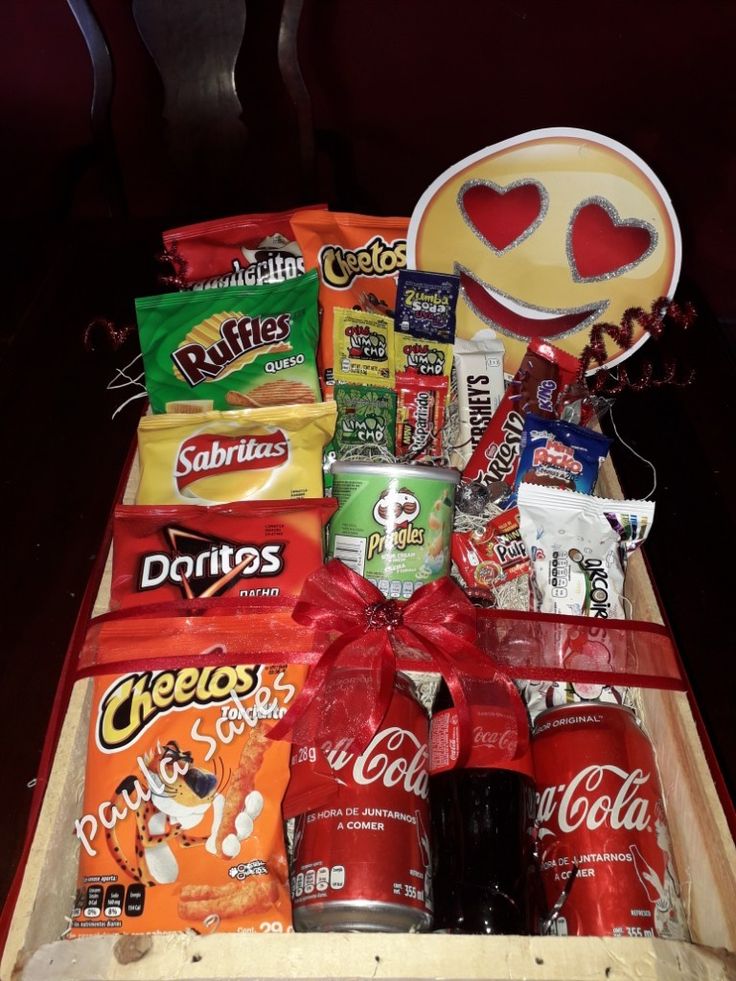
(550, 232)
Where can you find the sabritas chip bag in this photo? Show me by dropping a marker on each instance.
(358, 258)
(180, 826)
(218, 457)
(243, 346)
(245, 551)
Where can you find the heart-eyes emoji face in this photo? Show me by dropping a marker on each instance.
(550, 233)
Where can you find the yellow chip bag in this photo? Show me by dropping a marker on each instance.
(364, 348)
(273, 453)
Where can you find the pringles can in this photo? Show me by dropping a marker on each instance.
(393, 524)
(362, 863)
(604, 846)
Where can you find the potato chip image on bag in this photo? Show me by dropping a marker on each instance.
(180, 825)
(237, 347)
(219, 457)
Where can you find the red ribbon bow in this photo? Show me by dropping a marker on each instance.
(350, 687)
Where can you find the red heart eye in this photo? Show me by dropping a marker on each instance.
(503, 216)
(601, 244)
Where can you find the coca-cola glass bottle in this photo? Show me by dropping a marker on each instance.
(486, 878)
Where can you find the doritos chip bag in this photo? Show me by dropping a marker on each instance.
(180, 826)
(358, 258)
(244, 250)
(218, 457)
(247, 550)
(240, 347)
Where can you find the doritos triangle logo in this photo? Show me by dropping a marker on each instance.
(209, 454)
(203, 567)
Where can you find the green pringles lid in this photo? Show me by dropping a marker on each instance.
(231, 348)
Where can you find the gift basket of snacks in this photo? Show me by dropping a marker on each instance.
(376, 653)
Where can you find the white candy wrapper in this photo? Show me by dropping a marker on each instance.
(480, 388)
(578, 546)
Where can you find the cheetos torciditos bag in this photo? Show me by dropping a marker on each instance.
(274, 453)
(247, 550)
(358, 258)
(244, 250)
(180, 826)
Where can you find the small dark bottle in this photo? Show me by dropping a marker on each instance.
(486, 876)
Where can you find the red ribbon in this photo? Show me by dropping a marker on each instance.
(352, 682)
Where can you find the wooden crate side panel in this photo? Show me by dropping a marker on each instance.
(384, 956)
(47, 892)
(704, 851)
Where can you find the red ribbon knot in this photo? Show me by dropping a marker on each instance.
(387, 614)
(349, 689)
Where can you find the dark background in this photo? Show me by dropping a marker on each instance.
(400, 89)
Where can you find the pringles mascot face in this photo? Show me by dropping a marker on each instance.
(550, 232)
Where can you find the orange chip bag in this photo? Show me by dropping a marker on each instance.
(358, 258)
(273, 453)
(180, 826)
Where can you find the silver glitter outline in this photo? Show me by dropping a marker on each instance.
(619, 222)
(500, 189)
(597, 312)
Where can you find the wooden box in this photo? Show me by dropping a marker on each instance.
(704, 853)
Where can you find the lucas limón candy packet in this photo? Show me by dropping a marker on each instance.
(364, 348)
(239, 347)
(366, 418)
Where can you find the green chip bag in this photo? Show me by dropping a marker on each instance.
(232, 348)
(366, 418)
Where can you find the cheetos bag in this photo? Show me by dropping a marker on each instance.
(358, 258)
(180, 826)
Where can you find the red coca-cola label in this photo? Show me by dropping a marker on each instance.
(371, 844)
(602, 827)
(494, 740)
(207, 455)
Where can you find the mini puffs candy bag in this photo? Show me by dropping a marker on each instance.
(180, 826)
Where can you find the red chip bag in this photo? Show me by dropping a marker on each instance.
(245, 550)
(358, 258)
(244, 250)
